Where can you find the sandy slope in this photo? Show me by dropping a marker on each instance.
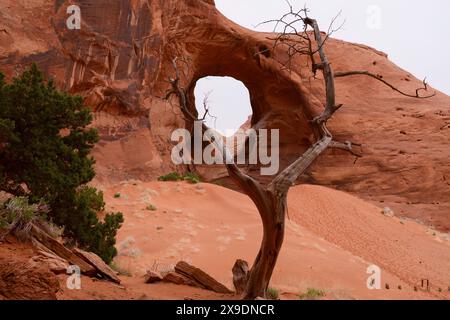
(404, 248)
(332, 239)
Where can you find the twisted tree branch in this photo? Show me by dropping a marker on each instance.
(380, 78)
(346, 146)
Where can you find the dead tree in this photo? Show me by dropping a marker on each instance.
(271, 200)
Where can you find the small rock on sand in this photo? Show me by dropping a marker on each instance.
(200, 191)
(388, 212)
(152, 277)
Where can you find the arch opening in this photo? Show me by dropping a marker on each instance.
(228, 102)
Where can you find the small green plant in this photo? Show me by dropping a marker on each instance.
(121, 271)
(53, 230)
(312, 294)
(151, 207)
(192, 178)
(272, 294)
(174, 176)
(17, 216)
(117, 195)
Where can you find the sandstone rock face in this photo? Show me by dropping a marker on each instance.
(19, 281)
(120, 61)
(61, 251)
(56, 264)
(24, 278)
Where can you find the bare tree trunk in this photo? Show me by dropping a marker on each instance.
(265, 262)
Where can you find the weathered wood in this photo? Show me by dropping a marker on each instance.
(262, 269)
(381, 79)
(201, 277)
(240, 275)
(101, 267)
(284, 181)
(61, 251)
(179, 279)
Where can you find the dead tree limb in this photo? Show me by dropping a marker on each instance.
(346, 146)
(284, 181)
(381, 79)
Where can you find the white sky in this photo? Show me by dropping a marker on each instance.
(414, 33)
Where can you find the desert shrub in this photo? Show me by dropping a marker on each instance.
(52, 229)
(121, 271)
(117, 195)
(151, 207)
(17, 216)
(45, 145)
(81, 213)
(272, 294)
(312, 294)
(192, 178)
(174, 176)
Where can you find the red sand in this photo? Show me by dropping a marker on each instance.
(332, 239)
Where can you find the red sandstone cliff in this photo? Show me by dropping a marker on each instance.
(121, 58)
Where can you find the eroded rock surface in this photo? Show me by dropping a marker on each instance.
(23, 278)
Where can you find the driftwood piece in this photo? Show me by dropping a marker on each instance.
(62, 252)
(240, 275)
(201, 277)
(101, 267)
(177, 278)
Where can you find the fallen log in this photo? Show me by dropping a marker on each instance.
(201, 277)
(180, 279)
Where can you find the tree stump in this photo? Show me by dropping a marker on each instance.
(240, 276)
